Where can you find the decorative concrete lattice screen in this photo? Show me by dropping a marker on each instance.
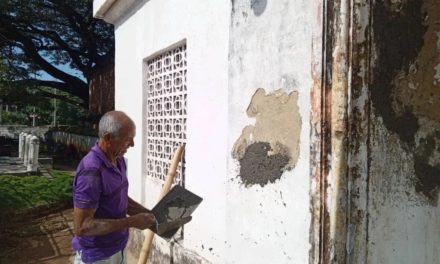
(166, 95)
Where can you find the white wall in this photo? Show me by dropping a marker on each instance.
(403, 227)
(270, 50)
(205, 26)
(234, 48)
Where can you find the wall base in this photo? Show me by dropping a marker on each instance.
(163, 252)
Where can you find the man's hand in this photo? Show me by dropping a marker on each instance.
(143, 220)
(135, 208)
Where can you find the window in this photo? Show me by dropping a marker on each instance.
(165, 106)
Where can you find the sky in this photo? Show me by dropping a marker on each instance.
(65, 68)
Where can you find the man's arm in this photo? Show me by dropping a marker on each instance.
(135, 208)
(85, 224)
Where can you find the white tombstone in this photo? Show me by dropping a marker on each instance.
(34, 145)
(21, 145)
(26, 149)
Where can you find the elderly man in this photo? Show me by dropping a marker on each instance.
(100, 196)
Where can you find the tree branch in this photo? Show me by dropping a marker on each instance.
(31, 51)
(77, 22)
(65, 87)
(75, 55)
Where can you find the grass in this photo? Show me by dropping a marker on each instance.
(21, 194)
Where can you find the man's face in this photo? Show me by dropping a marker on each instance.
(120, 144)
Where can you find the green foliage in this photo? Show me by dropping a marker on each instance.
(10, 118)
(59, 38)
(66, 113)
(22, 193)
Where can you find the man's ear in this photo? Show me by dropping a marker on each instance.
(107, 136)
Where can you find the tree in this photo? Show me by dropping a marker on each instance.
(58, 37)
(67, 113)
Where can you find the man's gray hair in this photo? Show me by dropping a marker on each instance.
(111, 122)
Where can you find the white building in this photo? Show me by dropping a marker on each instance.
(298, 156)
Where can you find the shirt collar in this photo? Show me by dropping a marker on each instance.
(101, 155)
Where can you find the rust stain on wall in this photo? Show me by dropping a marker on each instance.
(406, 88)
(271, 146)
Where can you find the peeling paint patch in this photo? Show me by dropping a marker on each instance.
(272, 144)
(437, 74)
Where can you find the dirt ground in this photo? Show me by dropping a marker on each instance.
(45, 240)
(43, 236)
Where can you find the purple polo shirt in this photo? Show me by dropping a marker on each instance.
(100, 185)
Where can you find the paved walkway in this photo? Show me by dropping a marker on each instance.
(44, 240)
(12, 165)
(40, 240)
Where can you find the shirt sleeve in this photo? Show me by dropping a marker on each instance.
(87, 189)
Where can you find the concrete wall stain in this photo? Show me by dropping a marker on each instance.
(258, 6)
(419, 88)
(429, 179)
(271, 146)
(405, 91)
(399, 38)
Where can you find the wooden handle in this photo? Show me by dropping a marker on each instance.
(149, 235)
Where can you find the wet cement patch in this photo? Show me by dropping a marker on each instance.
(258, 167)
